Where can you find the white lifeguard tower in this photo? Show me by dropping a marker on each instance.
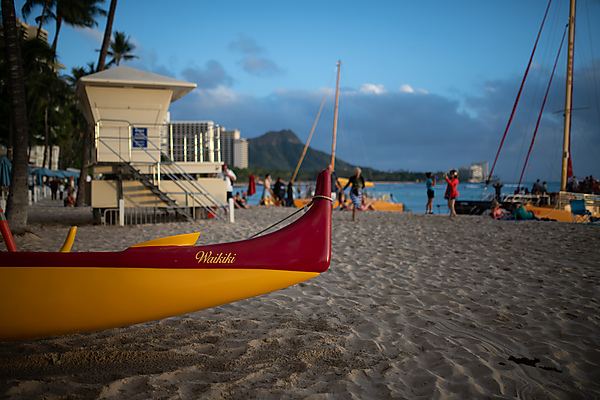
(135, 179)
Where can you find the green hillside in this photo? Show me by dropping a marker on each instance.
(282, 150)
(278, 153)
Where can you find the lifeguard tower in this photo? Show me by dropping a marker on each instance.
(135, 177)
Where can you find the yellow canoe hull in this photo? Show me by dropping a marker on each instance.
(554, 213)
(382, 205)
(92, 299)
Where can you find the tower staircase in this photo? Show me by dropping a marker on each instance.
(188, 186)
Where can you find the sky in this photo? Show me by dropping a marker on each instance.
(425, 85)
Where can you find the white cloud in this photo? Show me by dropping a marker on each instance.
(406, 88)
(221, 95)
(370, 88)
(94, 35)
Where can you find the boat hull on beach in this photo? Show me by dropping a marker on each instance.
(52, 294)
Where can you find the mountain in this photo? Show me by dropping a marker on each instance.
(282, 150)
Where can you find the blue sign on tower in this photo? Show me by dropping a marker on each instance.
(139, 137)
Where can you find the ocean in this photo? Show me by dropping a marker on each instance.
(414, 195)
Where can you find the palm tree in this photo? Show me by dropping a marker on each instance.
(85, 129)
(30, 4)
(42, 85)
(107, 34)
(76, 13)
(17, 198)
(120, 49)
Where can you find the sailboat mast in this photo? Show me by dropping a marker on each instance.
(335, 114)
(568, 100)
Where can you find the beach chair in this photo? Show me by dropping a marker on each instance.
(579, 212)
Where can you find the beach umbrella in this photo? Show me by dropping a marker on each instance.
(5, 167)
(47, 172)
(68, 174)
(41, 172)
(251, 186)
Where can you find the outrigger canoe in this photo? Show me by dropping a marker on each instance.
(46, 294)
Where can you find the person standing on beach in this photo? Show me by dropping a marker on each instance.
(358, 184)
(229, 177)
(451, 191)
(266, 193)
(279, 191)
(498, 187)
(336, 187)
(430, 183)
(290, 195)
(54, 188)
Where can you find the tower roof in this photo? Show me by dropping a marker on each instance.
(122, 76)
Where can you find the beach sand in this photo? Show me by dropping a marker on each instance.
(413, 306)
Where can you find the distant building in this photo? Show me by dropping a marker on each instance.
(477, 172)
(234, 149)
(30, 32)
(36, 157)
(193, 141)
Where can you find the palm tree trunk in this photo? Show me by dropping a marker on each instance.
(16, 211)
(42, 18)
(49, 141)
(55, 42)
(85, 160)
(107, 36)
(46, 138)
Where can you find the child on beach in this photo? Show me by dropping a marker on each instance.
(451, 190)
(496, 211)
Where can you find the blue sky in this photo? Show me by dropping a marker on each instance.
(425, 85)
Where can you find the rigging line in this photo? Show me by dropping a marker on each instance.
(537, 125)
(303, 209)
(520, 90)
(312, 131)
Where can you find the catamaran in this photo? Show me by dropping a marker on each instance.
(554, 206)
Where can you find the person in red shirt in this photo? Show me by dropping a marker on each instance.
(451, 190)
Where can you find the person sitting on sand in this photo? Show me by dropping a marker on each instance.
(520, 213)
(496, 211)
(70, 199)
(238, 201)
(367, 204)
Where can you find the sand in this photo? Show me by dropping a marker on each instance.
(413, 306)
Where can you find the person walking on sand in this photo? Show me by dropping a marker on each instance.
(358, 184)
(451, 191)
(430, 183)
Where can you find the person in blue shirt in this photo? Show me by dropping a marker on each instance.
(430, 183)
